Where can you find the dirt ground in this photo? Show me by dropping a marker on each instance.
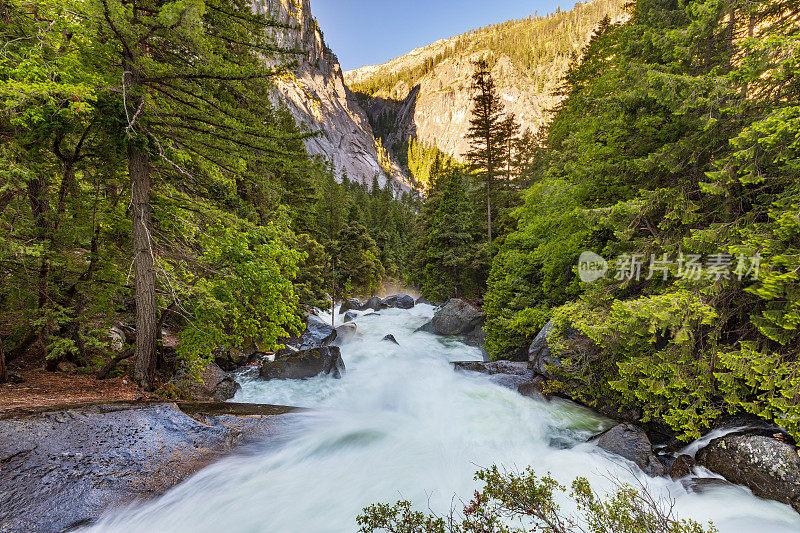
(47, 389)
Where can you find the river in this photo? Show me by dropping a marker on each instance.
(401, 424)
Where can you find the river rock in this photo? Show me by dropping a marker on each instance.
(374, 303)
(350, 316)
(229, 359)
(539, 353)
(216, 385)
(316, 334)
(682, 467)
(457, 317)
(533, 388)
(508, 374)
(351, 304)
(767, 466)
(701, 485)
(630, 442)
(345, 333)
(64, 468)
(305, 364)
(390, 338)
(399, 301)
(476, 337)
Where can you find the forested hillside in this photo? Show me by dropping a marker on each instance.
(147, 183)
(425, 96)
(676, 157)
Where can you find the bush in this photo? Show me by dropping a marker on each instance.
(532, 501)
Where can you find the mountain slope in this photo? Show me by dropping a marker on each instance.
(426, 94)
(319, 100)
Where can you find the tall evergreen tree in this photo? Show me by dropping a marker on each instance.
(486, 135)
(187, 69)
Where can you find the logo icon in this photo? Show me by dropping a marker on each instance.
(591, 267)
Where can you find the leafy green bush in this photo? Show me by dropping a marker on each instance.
(532, 503)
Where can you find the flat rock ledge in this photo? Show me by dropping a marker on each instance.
(63, 467)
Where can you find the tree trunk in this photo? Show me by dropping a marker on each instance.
(40, 209)
(489, 209)
(144, 369)
(3, 372)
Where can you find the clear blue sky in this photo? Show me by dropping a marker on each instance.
(366, 32)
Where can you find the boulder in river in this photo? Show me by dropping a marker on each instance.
(767, 466)
(630, 442)
(457, 317)
(374, 303)
(351, 304)
(229, 359)
(316, 334)
(350, 316)
(682, 467)
(390, 338)
(476, 337)
(533, 388)
(345, 333)
(399, 301)
(305, 364)
(508, 374)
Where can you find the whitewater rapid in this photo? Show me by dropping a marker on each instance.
(401, 424)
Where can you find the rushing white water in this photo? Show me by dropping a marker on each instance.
(401, 424)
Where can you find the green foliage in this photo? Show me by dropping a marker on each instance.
(245, 295)
(244, 222)
(421, 158)
(678, 135)
(448, 253)
(523, 502)
(366, 233)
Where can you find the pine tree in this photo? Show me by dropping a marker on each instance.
(486, 135)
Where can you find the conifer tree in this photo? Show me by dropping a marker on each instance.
(486, 135)
(187, 69)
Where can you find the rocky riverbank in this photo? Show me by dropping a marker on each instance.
(64, 467)
(747, 450)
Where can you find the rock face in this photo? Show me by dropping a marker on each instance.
(476, 337)
(630, 442)
(64, 468)
(305, 364)
(767, 466)
(457, 317)
(319, 100)
(539, 352)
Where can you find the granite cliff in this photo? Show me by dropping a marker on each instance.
(316, 95)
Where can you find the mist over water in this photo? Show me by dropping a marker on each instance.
(401, 424)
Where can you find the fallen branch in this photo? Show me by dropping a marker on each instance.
(111, 365)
